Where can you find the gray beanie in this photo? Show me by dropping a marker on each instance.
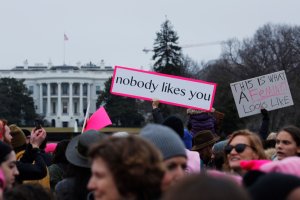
(165, 139)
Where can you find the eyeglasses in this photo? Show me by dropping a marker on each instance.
(239, 148)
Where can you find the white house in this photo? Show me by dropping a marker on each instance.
(62, 93)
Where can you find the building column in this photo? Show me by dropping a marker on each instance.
(41, 98)
(88, 93)
(48, 100)
(81, 100)
(71, 99)
(58, 99)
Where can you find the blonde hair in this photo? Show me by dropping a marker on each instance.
(255, 143)
(254, 139)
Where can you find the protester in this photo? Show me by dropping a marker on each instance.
(193, 158)
(288, 142)
(264, 128)
(172, 149)
(276, 186)
(203, 142)
(29, 192)
(175, 123)
(200, 120)
(288, 165)
(47, 156)
(73, 186)
(31, 164)
(6, 137)
(2, 183)
(59, 163)
(2, 130)
(8, 164)
(205, 187)
(218, 156)
(242, 145)
(126, 168)
(27, 135)
(269, 145)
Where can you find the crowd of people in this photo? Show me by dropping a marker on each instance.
(167, 160)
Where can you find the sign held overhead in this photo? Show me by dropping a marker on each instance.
(169, 89)
(270, 91)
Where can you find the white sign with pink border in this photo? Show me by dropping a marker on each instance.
(169, 89)
(270, 91)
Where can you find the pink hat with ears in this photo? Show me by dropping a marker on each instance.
(2, 179)
(290, 165)
(50, 147)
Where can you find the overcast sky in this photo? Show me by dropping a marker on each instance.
(117, 30)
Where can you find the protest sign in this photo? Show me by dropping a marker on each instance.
(98, 120)
(270, 91)
(168, 89)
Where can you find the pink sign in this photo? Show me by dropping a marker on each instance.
(98, 120)
(169, 89)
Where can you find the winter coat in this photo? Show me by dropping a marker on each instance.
(199, 121)
(32, 166)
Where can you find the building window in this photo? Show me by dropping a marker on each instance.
(75, 108)
(76, 89)
(30, 89)
(54, 107)
(44, 107)
(98, 89)
(53, 89)
(65, 107)
(85, 89)
(65, 89)
(44, 89)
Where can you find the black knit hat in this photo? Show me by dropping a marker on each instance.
(176, 124)
(5, 149)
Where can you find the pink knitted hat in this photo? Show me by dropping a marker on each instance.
(253, 164)
(290, 165)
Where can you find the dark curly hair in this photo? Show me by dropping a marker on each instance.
(136, 165)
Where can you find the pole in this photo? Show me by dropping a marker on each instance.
(64, 63)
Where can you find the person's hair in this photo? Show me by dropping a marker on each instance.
(5, 150)
(136, 165)
(28, 192)
(206, 187)
(81, 176)
(176, 124)
(44, 144)
(59, 152)
(294, 132)
(4, 123)
(254, 140)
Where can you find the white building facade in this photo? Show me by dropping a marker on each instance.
(61, 94)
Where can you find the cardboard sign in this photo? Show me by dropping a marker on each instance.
(168, 89)
(269, 91)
